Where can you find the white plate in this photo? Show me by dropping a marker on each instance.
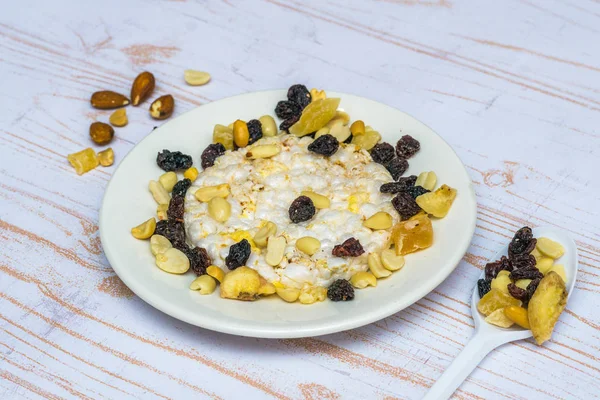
(127, 203)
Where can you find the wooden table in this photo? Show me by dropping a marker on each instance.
(512, 85)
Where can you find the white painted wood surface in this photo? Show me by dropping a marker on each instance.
(512, 85)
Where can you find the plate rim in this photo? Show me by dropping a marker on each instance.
(278, 333)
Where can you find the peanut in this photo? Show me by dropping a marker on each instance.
(241, 136)
(375, 266)
(219, 209)
(261, 237)
(159, 244)
(269, 127)
(159, 193)
(318, 200)
(308, 245)
(168, 180)
(144, 230)
(263, 151)
(196, 78)
(378, 221)
(550, 248)
(361, 280)
(544, 264)
(427, 180)
(290, 295)
(204, 284)
(173, 261)
(204, 194)
(275, 250)
(215, 272)
(357, 128)
(391, 261)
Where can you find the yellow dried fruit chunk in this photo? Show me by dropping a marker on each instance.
(412, 235)
(427, 180)
(495, 300)
(357, 128)
(315, 116)
(501, 281)
(560, 270)
(546, 305)
(84, 160)
(242, 283)
(499, 319)
(550, 248)
(544, 264)
(191, 173)
(312, 294)
(518, 315)
(437, 203)
(266, 288)
(224, 135)
(366, 141)
(536, 253)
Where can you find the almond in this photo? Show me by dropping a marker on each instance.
(142, 87)
(106, 99)
(163, 107)
(118, 118)
(101, 133)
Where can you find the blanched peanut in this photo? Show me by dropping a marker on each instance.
(550, 248)
(144, 230)
(275, 250)
(241, 136)
(323, 131)
(544, 264)
(204, 284)
(340, 131)
(316, 94)
(173, 261)
(215, 272)
(266, 288)
(191, 173)
(391, 261)
(219, 209)
(196, 78)
(263, 151)
(427, 180)
(224, 135)
(318, 200)
(357, 128)
(161, 211)
(361, 280)
(262, 236)
(342, 116)
(375, 266)
(241, 284)
(168, 180)
(206, 193)
(379, 220)
(312, 295)
(308, 245)
(159, 244)
(367, 141)
(269, 127)
(290, 295)
(160, 194)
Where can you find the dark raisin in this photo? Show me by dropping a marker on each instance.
(302, 209)
(340, 290)
(523, 261)
(199, 259)
(407, 146)
(287, 109)
(350, 248)
(402, 185)
(397, 167)
(406, 205)
(238, 254)
(349, 139)
(176, 208)
(492, 269)
(172, 230)
(416, 191)
(173, 160)
(325, 145)
(521, 242)
(518, 293)
(255, 130)
(483, 287)
(382, 153)
(285, 125)
(526, 273)
(181, 187)
(300, 95)
(532, 287)
(211, 153)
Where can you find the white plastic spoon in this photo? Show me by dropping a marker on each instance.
(487, 336)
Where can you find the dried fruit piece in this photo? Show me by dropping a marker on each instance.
(173, 261)
(317, 94)
(180, 188)
(211, 153)
(397, 167)
(199, 259)
(196, 78)
(349, 248)
(402, 185)
(173, 160)
(526, 273)
(483, 287)
(142, 87)
(521, 242)
(406, 205)
(238, 254)
(172, 230)
(106, 158)
(224, 135)
(550, 248)
(495, 300)
(286, 109)
(241, 284)
(518, 293)
(544, 264)
(300, 95)
(518, 315)
(357, 128)
(191, 173)
(312, 295)
(101, 133)
(499, 319)
(315, 116)
(176, 208)
(382, 153)
(416, 191)
(83, 161)
(215, 272)
(325, 145)
(546, 305)
(118, 118)
(492, 269)
(437, 203)
(285, 125)
(560, 270)
(523, 261)
(254, 130)
(302, 209)
(427, 180)
(340, 290)
(501, 282)
(523, 283)
(106, 99)
(407, 146)
(412, 235)
(144, 230)
(163, 107)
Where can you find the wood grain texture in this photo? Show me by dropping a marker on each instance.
(513, 86)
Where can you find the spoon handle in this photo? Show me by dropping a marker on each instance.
(477, 348)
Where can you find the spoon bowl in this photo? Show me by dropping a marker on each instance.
(487, 336)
